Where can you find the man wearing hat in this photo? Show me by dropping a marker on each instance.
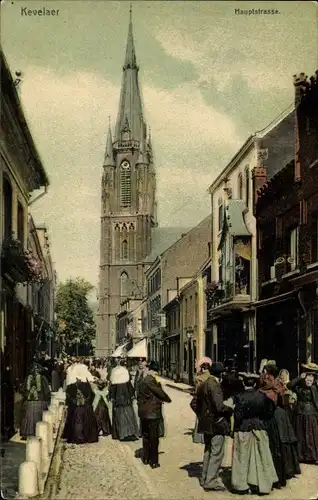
(150, 398)
(213, 418)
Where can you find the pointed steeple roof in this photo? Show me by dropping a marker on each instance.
(130, 59)
(109, 154)
(130, 104)
(142, 156)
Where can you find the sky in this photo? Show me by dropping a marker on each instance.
(209, 78)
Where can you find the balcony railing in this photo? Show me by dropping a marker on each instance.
(123, 145)
(214, 294)
(219, 293)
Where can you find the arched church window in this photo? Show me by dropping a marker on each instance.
(124, 284)
(124, 250)
(125, 185)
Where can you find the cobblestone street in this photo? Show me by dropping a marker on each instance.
(109, 469)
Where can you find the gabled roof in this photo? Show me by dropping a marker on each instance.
(233, 219)
(277, 137)
(163, 238)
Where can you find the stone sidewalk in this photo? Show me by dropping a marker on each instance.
(14, 455)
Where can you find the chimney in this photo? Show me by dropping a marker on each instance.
(259, 175)
(300, 84)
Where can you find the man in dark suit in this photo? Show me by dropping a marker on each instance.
(213, 418)
(150, 399)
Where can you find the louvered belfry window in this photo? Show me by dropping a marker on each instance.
(125, 185)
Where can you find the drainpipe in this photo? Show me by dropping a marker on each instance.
(39, 196)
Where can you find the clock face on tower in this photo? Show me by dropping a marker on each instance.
(125, 164)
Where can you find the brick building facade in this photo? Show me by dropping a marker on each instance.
(286, 209)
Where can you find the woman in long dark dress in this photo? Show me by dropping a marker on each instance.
(252, 465)
(121, 393)
(81, 424)
(306, 416)
(36, 399)
(272, 387)
(100, 407)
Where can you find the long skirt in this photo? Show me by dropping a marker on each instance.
(197, 437)
(288, 443)
(275, 445)
(32, 414)
(252, 462)
(81, 425)
(124, 423)
(102, 417)
(306, 428)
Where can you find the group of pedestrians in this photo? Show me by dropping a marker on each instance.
(91, 386)
(273, 422)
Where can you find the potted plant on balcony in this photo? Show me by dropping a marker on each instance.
(13, 260)
(34, 266)
(213, 286)
(20, 264)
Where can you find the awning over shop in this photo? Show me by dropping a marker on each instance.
(139, 350)
(119, 351)
(276, 299)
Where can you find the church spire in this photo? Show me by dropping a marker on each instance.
(109, 156)
(130, 59)
(130, 106)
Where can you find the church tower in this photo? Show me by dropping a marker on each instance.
(128, 205)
